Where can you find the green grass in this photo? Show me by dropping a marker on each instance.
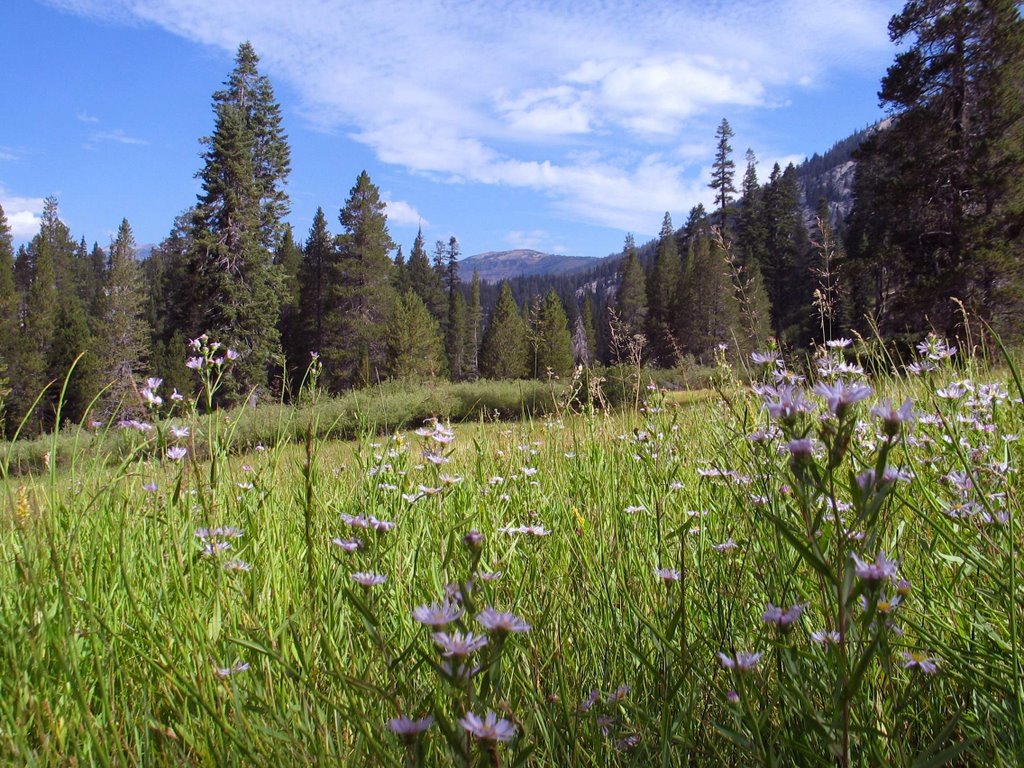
(113, 624)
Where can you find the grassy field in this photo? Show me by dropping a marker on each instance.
(773, 578)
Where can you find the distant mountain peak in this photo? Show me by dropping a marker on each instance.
(494, 266)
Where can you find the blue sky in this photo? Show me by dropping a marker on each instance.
(551, 124)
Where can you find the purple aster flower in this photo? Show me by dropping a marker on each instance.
(921, 661)
(232, 355)
(789, 405)
(179, 433)
(237, 566)
(195, 363)
(214, 548)
(176, 452)
(459, 644)
(667, 574)
(501, 623)
(741, 662)
(474, 539)
(732, 697)
(783, 619)
(368, 580)
(725, 546)
(825, 637)
(436, 615)
(347, 545)
(491, 728)
(381, 526)
(881, 569)
(356, 521)
(240, 666)
(149, 487)
(839, 396)
(894, 418)
(407, 729)
(490, 575)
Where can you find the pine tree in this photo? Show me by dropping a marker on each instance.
(288, 258)
(425, 280)
(938, 198)
(361, 300)
(584, 339)
(474, 330)
(661, 294)
(270, 156)
(122, 335)
(553, 353)
(631, 296)
(455, 327)
(723, 171)
(236, 285)
(709, 313)
(414, 344)
(504, 351)
(71, 358)
(318, 258)
(9, 326)
(787, 266)
(751, 227)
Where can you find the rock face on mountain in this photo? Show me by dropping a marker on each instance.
(495, 266)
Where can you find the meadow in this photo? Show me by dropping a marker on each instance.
(785, 572)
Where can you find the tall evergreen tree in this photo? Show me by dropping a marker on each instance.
(455, 328)
(236, 285)
(584, 337)
(318, 258)
(631, 295)
(269, 154)
(474, 330)
(361, 296)
(661, 295)
(709, 314)
(288, 258)
(9, 326)
(504, 351)
(552, 341)
(938, 197)
(723, 171)
(122, 335)
(414, 343)
(787, 267)
(425, 280)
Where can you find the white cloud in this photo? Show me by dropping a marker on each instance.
(535, 240)
(118, 136)
(85, 117)
(402, 213)
(23, 214)
(585, 100)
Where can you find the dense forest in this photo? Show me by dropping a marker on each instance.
(931, 234)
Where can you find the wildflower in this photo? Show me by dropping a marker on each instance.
(618, 695)
(356, 521)
(632, 510)
(667, 574)
(214, 548)
(801, 449)
(501, 623)
(726, 546)
(240, 666)
(176, 452)
(838, 343)
(743, 661)
(381, 526)
(436, 459)
(627, 742)
(153, 382)
(840, 395)
(789, 405)
(368, 580)
(179, 433)
(195, 363)
(921, 661)
(881, 569)
(732, 697)
(490, 575)
(780, 618)
(529, 471)
(177, 396)
(237, 566)
(459, 644)
(893, 418)
(825, 637)
(232, 355)
(490, 729)
(149, 487)
(592, 698)
(407, 729)
(436, 615)
(771, 357)
(474, 539)
(151, 397)
(347, 545)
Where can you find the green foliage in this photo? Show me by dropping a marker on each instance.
(122, 338)
(551, 341)
(631, 295)
(661, 296)
(504, 351)
(361, 298)
(723, 171)
(415, 348)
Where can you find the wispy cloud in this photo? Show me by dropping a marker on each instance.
(585, 101)
(23, 214)
(118, 136)
(535, 240)
(9, 153)
(85, 117)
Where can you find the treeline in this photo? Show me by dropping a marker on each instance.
(934, 235)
